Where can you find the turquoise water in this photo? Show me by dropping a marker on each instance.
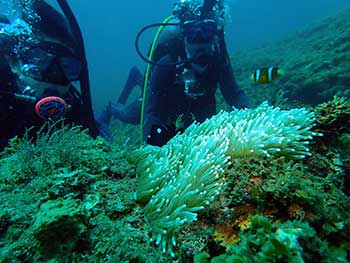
(110, 31)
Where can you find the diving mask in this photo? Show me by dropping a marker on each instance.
(200, 31)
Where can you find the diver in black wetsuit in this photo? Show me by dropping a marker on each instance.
(43, 72)
(189, 62)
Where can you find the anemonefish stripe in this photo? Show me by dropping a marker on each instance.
(258, 73)
(270, 74)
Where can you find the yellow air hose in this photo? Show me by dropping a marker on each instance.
(148, 72)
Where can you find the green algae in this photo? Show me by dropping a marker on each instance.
(83, 210)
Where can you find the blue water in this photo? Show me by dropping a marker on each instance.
(110, 30)
(110, 26)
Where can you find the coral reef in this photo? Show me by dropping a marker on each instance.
(333, 117)
(264, 205)
(183, 177)
(264, 195)
(68, 197)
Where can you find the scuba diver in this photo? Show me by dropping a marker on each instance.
(188, 62)
(44, 72)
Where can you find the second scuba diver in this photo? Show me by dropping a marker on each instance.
(189, 62)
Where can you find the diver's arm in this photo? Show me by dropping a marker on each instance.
(234, 96)
(155, 131)
(153, 104)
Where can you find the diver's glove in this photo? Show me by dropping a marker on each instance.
(241, 101)
(160, 135)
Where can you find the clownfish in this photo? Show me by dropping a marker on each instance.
(266, 75)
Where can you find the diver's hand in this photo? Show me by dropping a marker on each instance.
(160, 135)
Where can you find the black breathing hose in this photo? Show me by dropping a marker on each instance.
(88, 113)
(153, 63)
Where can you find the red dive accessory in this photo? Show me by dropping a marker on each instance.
(51, 108)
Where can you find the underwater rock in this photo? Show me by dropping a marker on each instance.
(315, 60)
(4, 222)
(60, 226)
(333, 117)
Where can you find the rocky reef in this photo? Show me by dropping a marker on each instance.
(315, 61)
(74, 200)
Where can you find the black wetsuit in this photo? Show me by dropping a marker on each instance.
(167, 98)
